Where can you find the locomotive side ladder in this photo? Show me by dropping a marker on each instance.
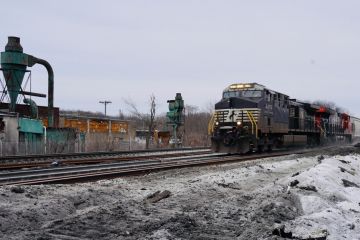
(253, 123)
(211, 124)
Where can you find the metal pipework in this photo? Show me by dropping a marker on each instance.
(14, 63)
(32, 61)
(34, 112)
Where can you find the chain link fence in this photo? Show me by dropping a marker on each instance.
(94, 145)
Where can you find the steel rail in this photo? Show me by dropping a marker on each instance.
(107, 170)
(57, 170)
(11, 158)
(94, 158)
(9, 177)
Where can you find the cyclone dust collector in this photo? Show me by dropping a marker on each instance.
(14, 63)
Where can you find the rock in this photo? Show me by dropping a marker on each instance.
(279, 230)
(43, 238)
(345, 162)
(55, 163)
(319, 234)
(352, 226)
(353, 210)
(348, 183)
(157, 196)
(17, 189)
(28, 195)
(320, 158)
(357, 145)
(248, 197)
(309, 188)
(295, 174)
(78, 202)
(347, 171)
(193, 181)
(294, 183)
(228, 185)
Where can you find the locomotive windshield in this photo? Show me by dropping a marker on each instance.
(243, 93)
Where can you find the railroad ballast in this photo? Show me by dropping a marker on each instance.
(252, 117)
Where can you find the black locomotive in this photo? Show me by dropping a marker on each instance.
(251, 117)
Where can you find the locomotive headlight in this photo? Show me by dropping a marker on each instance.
(216, 123)
(238, 123)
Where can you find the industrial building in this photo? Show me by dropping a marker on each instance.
(99, 133)
(31, 129)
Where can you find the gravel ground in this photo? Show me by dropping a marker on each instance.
(257, 200)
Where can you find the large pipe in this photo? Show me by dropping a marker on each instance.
(32, 61)
(34, 112)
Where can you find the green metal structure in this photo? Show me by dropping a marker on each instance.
(176, 115)
(13, 64)
(31, 134)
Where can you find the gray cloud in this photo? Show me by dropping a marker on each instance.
(118, 49)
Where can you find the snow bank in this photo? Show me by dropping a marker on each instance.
(329, 195)
(302, 198)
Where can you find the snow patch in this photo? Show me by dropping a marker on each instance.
(334, 207)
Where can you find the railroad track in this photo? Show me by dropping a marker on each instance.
(31, 161)
(97, 171)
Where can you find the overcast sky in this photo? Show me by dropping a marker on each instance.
(111, 50)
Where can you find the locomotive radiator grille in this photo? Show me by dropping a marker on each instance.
(222, 115)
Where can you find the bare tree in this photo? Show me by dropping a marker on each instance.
(191, 109)
(210, 107)
(121, 114)
(196, 126)
(151, 119)
(148, 119)
(132, 108)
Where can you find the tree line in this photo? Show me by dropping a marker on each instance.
(193, 133)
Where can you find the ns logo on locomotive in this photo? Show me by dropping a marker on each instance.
(251, 117)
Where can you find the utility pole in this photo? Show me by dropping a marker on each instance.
(105, 103)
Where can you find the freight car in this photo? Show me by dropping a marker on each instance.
(355, 129)
(251, 117)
